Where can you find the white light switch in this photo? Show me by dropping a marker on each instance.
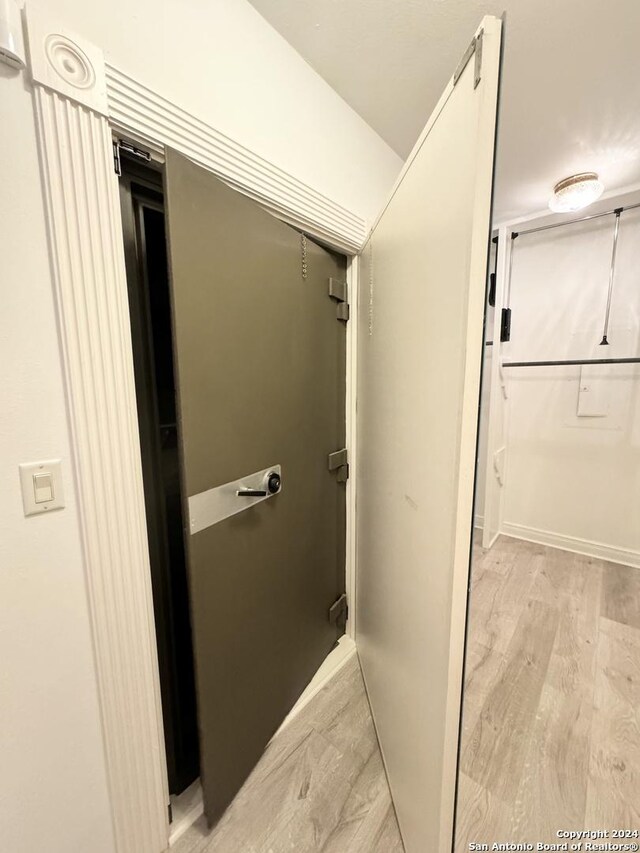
(41, 486)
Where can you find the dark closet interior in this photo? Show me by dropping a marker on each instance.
(142, 204)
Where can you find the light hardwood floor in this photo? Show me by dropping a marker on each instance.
(320, 786)
(551, 718)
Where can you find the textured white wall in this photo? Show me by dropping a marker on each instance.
(223, 62)
(573, 476)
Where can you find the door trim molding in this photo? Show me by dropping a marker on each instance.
(75, 128)
(87, 255)
(152, 120)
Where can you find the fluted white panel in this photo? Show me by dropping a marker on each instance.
(151, 118)
(88, 261)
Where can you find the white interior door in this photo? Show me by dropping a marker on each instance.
(422, 297)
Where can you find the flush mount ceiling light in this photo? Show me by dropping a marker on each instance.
(575, 192)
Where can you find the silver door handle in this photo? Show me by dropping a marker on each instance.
(273, 484)
(214, 505)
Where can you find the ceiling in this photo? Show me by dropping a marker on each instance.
(571, 79)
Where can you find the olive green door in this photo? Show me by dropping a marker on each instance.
(260, 361)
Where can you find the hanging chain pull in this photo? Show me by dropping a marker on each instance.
(303, 247)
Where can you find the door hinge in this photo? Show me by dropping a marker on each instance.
(122, 145)
(338, 291)
(477, 72)
(475, 50)
(339, 461)
(339, 611)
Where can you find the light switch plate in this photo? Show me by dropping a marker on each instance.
(31, 477)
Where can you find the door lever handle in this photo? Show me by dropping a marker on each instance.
(273, 483)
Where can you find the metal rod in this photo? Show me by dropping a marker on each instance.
(604, 341)
(575, 221)
(572, 362)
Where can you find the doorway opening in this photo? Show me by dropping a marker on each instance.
(233, 314)
(144, 229)
(550, 709)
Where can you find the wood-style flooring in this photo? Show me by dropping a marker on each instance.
(320, 786)
(551, 718)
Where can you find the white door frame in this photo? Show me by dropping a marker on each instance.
(496, 414)
(79, 103)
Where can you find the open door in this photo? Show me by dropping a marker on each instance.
(260, 369)
(422, 298)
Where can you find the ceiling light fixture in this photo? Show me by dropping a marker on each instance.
(576, 192)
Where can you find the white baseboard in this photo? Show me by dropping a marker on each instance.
(478, 522)
(488, 545)
(188, 807)
(598, 550)
(330, 667)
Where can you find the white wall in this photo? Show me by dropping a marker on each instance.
(223, 62)
(571, 476)
(220, 60)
